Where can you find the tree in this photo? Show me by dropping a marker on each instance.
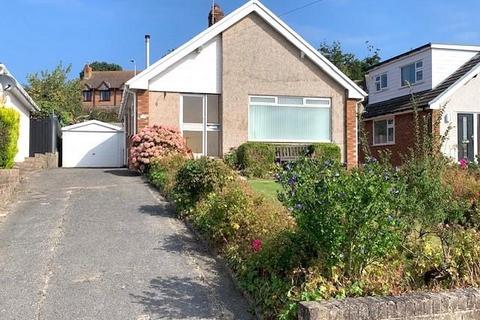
(103, 66)
(56, 94)
(354, 67)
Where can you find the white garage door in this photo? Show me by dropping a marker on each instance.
(93, 144)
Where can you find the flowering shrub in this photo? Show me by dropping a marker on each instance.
(156, 142)
(162, 171)
(351, 217)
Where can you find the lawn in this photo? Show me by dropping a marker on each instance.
(267, 187)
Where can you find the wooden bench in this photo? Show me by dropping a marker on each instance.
(289, 152)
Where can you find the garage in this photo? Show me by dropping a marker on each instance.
(93, 144)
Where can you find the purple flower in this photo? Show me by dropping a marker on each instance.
(463, 164)
(298, 206)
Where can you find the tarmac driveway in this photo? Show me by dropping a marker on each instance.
(100, 244)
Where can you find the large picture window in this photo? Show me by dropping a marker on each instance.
(289, 119)
(383, 131)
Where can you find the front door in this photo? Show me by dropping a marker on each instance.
(465, 136)
(201, 124)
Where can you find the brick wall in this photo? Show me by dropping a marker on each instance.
(142, 109)
(9, 179)
(460, 304)
(351, 133)
(404, 137)
(115, 100)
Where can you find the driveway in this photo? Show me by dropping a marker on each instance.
(100, 244)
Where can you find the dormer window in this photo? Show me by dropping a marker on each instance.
(381, 82)
(412, 73)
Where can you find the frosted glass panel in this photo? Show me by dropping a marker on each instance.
(194, 140)
(192, 109)
(286, 123)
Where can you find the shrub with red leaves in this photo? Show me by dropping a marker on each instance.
(156, 142)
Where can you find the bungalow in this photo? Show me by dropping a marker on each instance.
(439, 77)
(14, 96)
(248, 77)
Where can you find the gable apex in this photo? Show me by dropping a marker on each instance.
(141, 81)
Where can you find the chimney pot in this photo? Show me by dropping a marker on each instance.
(87, 72)
(216, 14)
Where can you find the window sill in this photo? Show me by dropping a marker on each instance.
(383, 144)
(411, 85)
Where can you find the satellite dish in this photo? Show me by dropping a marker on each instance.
(7, 82)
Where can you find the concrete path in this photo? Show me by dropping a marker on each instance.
(99, 244)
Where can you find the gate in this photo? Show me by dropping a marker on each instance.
(44, 135)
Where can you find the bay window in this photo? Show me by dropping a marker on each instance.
(289, 119)
(384, 131)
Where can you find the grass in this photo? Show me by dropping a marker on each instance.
(266, 187)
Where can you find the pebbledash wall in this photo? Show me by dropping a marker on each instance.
(461, 304)
(278, 70)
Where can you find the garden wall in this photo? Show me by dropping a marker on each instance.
(9, 179)
(461, 304)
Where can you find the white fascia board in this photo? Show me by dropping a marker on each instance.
(95, 122)
(142, 79)
(455, 47)
(442, 98)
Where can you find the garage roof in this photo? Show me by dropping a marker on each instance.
(82, 126)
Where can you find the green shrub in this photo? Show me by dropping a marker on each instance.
(197, 178)
(9, 133)
(325, 151)
(256, 159)
(351, 217)
(162, 172)
(231, 159)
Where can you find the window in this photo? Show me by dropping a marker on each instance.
(104, 95)
(381, 82)
(289, 119)
(384, 132)
(412, 73)
(87, 95)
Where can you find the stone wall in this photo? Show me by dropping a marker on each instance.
(460, 304)
(9, 179)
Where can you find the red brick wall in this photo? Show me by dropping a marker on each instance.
(351, 133)
(404, 137)
(142, 109)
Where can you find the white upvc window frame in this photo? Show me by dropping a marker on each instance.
(389, 126)
(378, 82)
(203, 127)
(303, 105)
(418, 69)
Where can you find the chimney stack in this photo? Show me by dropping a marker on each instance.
(147, 51)
(87, 72)
(216, 14)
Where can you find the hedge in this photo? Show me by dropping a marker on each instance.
(325, 151)
(256, 159)
(9, 133)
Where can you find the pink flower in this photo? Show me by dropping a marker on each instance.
(256, 245)
(463, 163)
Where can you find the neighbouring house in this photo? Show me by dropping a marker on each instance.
(440, 78)
(248, 77)
(103, 89)
(14, 96)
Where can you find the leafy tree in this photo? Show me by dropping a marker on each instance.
(103, 66)
(55, 93)
(354, 67)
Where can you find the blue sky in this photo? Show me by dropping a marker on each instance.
(38, 34)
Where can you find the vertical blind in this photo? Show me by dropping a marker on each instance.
(282, 121)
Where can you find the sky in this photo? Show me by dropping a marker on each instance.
(39, 34)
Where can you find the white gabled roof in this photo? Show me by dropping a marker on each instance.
(17, 89)
(141, 80)
(78, 126)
